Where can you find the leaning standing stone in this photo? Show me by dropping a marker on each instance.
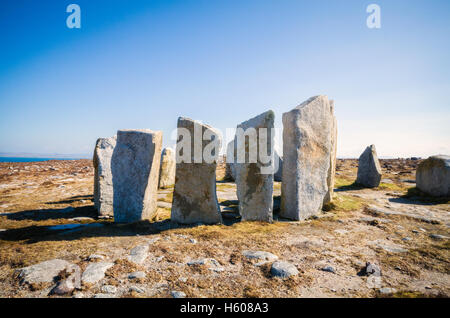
(306, 158)
(135, 169)
(369, 169)
(194, 195)
(433, 176)
(103, 186)
(254, 185)
(167, 171)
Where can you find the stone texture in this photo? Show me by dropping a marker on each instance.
(433, 176)
(137, 275)
(135, 169)
(139, 254)
(95, 272)
(194, 195)
(307, 134)
(44, 272)
(369, 169)
(283, 269)
(69, 284)
(260, 255)
(332, 170)
(254, 187)
(177, 294)
(167, 170)
(103, 185)
(278, 175)
(372, 269)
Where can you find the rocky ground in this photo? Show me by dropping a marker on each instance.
(50, 236)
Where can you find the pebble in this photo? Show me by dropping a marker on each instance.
(137, 289)
(178, 294)
(109, 289)
(329, 269)
(387, 290)
(136, 275)
(438, 237)
(95, 257)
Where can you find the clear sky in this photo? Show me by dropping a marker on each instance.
(142, 64)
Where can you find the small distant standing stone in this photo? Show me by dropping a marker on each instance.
(332, 170)
(167, 170)
(369, 169)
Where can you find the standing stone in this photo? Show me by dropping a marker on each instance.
(433, 176)
(254, 185)
(278, 175)
(194, 195)
(167, 171)
(306, 158)
(369, 169)
(332, 170)
(103, 185)
(230, 173)
(135, 169)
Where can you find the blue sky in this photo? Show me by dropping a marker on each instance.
(142, 64)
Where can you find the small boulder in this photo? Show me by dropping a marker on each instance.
(95, 272)
(138, 254)
(283, 269)
(372, 269)
(44, 272)
(260, 255)
(433, 176)
(70, 283)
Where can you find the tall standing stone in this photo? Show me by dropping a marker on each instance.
(369, 169)
(433, 176)
(167, 170)
(254, 185)
(194, 195)
(306, 158)
(135, 170)
(332, 170)
(103, 185)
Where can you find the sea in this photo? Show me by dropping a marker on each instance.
(23, 159)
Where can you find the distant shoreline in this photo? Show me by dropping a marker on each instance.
(30, 159)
